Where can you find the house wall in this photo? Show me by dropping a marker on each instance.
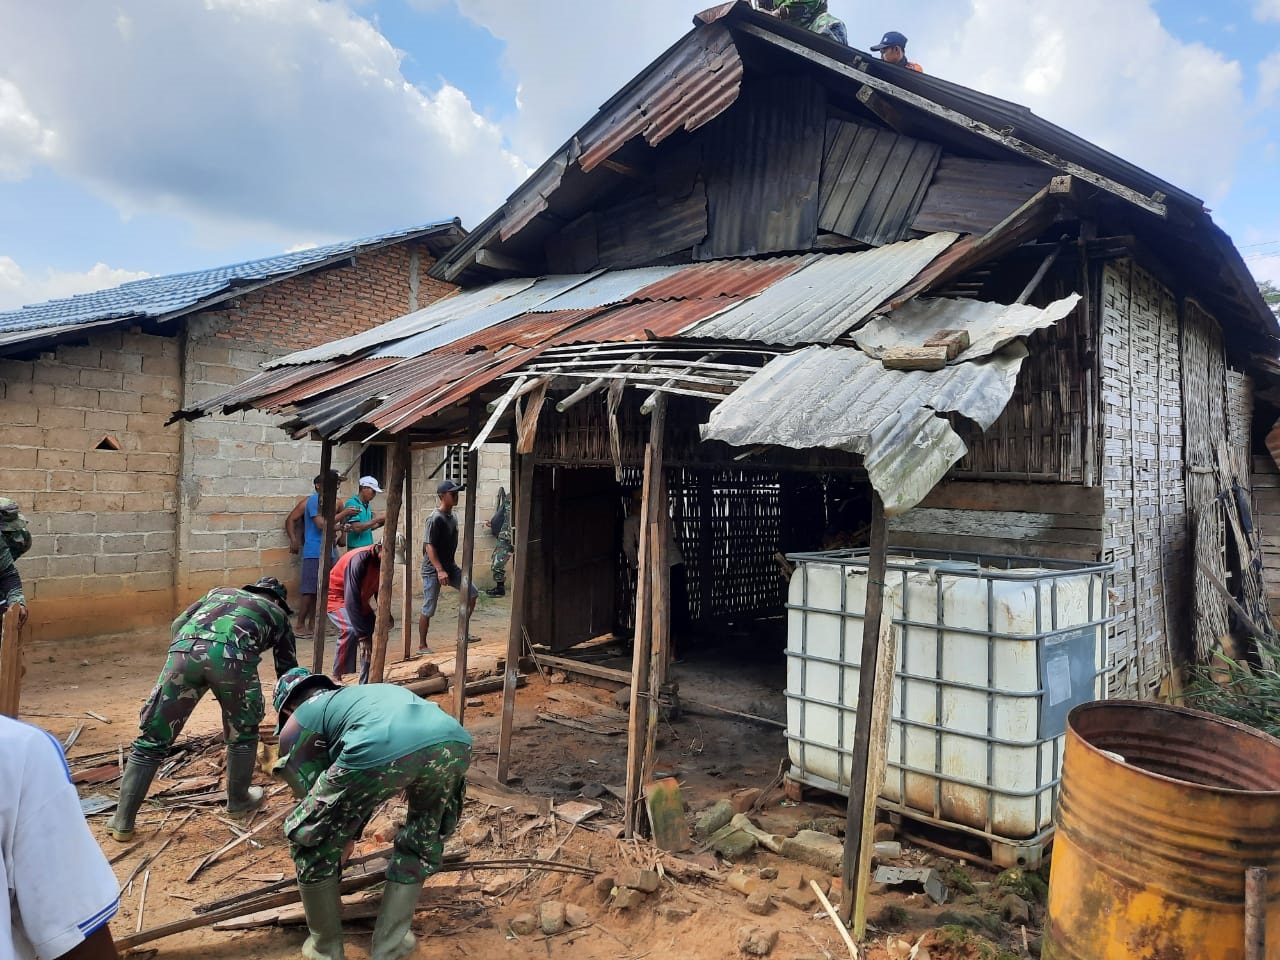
(123, 539)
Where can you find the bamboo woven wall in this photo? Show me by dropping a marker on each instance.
(1042, 432)
(1145, 502)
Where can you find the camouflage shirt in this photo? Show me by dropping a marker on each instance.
(10, 583)
(246, 624)
(826, 25)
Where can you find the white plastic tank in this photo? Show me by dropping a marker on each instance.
(991, 653)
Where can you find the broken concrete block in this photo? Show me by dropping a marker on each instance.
(821, 879)
(636, 879)
(628, 899)
(926, 877)
(755, 942)
(802, 898)
(735, 846)
(1014, 909)
(768, 873)
(622, 698)
(524, 924)
(674, 914)
(551, 917)
(760, 902)
(604, 885)
(816, 849)
(713, 818)
(833, 826)
(575, 915)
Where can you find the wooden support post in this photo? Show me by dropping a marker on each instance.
(10, 663)
(1255, 913)
(387, 573)
(521, 511)
(468, 556)
(659, 532)
(855, 865)
(706, 545)
(407, 620)
(328, 493)
(642, 650)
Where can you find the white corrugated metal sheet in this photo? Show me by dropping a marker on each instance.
(825, 299)
(990, 325)
(840, 398)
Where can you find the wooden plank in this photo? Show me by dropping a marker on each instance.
(660, 616)
(569, 665)
(10, 663)
(407, 619)
(992, 545)
(1004, 525)
(1069, 499)
(328, 491)
(387, 570)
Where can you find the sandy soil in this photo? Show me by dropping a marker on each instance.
(698, 917)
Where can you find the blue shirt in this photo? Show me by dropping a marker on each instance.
(312, 536)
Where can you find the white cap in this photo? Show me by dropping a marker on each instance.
(371, 483)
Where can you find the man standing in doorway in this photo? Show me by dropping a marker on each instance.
(362, 521)
(439, 544)
(305, 526)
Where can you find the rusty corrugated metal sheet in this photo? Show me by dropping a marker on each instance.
(317, 382)
(636, 321)
(259, 385)
(695, 81)
(528, 330)
(842, 399)
(762, 163)
(873, 181)
(722, 278)
(972, 196)
(825, 299)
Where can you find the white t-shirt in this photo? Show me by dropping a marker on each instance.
(60, 886)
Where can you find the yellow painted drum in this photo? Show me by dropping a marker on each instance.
(1161, 811)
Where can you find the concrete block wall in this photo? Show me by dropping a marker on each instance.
(102, 521)
(124, 539)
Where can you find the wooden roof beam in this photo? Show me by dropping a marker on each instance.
(1154, 205)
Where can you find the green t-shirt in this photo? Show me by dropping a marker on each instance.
(364, 515)
(369, 726)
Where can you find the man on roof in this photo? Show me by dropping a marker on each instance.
(893, 49)
(813, 16)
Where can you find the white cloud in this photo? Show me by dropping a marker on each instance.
(18, 287)
(1269, 79)
(1264, 10)
(287, 121)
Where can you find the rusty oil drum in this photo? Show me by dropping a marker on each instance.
(1150, 853)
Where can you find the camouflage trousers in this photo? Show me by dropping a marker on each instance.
(338, 806)
(185, 677)
(501, 553)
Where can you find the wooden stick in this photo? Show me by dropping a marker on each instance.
(328, 493)
(498, 410)
(407, 619)
(520, 506)
(831, 912)
(695, 706)
(468, 561)
(142, 901)
(1255, 913)
(659, 600)
(213, 857)
(387, 570)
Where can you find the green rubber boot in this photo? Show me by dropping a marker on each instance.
(138, 774)
(392, 936)
(322, 905)
(241, 797)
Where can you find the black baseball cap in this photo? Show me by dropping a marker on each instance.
(449, 486)
(891, 39)
(336, 474)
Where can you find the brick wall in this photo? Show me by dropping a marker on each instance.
(123, 539)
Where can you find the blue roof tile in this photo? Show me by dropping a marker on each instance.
(161, 296)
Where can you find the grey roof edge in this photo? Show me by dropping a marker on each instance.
(451, 230)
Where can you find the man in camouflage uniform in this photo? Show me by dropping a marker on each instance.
(813, 16)
(344, 752)
(217, 643)
(15, 540)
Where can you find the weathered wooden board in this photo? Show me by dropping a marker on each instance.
(1059, 498)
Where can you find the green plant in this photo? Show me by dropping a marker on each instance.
(1239, 691)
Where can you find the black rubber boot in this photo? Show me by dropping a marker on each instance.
(138, 774)
(497, 590)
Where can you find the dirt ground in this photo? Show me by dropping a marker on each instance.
(694, 911)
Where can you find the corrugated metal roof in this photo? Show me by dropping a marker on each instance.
(825, 299)
(342, 375)
(178, 293)
(428, 318)
(839, 398)
(873, 181)
(637, 321)
(613, 286)
(694, 81)
(972, 196)
(990, 325)
(722, 278)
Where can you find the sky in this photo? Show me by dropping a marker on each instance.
(144, 137)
